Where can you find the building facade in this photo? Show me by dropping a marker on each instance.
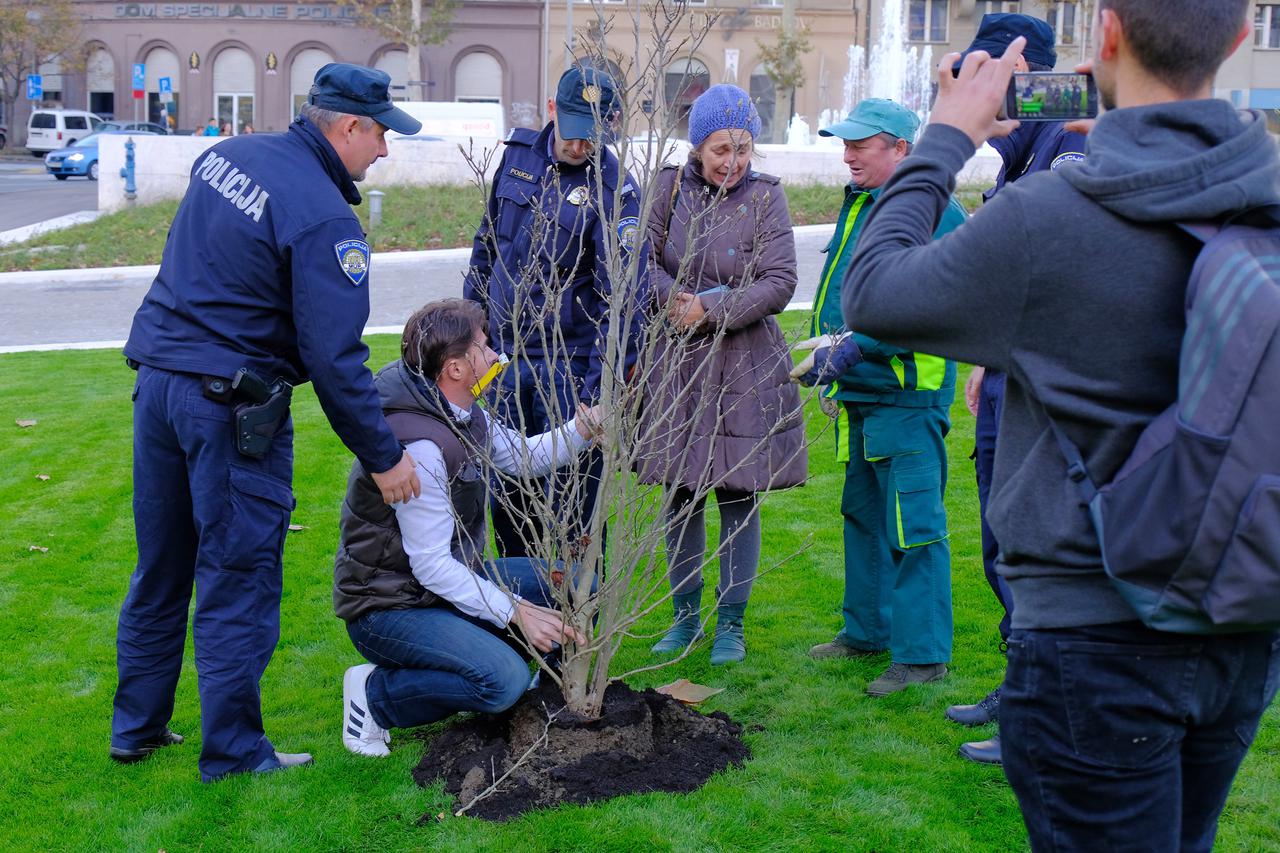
(251, 62)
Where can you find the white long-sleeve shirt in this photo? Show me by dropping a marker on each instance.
(427, 521)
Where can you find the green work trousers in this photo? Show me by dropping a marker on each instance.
(897, 561)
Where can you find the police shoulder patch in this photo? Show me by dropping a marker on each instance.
(353, 257)
(1066, 157)
(628, 232)
(522, 175)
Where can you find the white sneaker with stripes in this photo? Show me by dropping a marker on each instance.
(360, 734)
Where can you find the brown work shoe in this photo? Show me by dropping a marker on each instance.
(840, 649)
(900, 676)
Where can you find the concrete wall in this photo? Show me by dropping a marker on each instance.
(163, 163)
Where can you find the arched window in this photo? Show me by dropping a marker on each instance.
(303, 74)
(233, 89)
(764, 96)
(478, 79)
(162, 62)
(396, 64)
(684, 81)
(100, 82)
(51, 81)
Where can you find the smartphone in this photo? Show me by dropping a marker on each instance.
(1051, 96)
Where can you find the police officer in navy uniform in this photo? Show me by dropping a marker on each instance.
(263, 285)
(1033, 147)
(559, 200)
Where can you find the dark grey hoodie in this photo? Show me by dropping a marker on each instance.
(1071, 281)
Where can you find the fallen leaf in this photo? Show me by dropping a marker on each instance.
(297, 527)
(684, 690)
(25, 422)
(40, 548)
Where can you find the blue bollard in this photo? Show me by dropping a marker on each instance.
(130, 186)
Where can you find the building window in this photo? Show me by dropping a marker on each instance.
(1063, 17)
(303, 73)
(1266, 27)
(51, 81)
(771, 3)
(764, 96)
(683, 82)
(927, 20)
(233, 88)
(478, 79)
(992, 7)
(100, 81)
(162, 62)
(396, 64)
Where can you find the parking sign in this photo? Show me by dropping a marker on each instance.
(139, 76)
(166, 90)
(35, 87)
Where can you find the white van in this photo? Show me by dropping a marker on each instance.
(48, 130)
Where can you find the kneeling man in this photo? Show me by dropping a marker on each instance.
(409, 579)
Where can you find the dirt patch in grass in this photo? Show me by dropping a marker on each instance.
(643, 741)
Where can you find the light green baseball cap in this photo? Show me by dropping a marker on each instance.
(875, 115)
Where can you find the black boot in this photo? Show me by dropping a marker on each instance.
(976, 715)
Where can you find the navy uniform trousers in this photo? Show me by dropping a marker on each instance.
(208, 516)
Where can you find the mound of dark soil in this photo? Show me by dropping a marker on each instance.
(642, 742)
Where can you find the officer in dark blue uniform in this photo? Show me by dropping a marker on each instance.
(1033, 147)
(263, 285)
(540, 266)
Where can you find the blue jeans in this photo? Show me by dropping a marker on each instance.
(990, 404)
(1118, 737)
(533, 397)
(436, 661)
(209, 517)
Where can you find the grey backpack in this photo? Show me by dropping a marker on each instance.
(1189, 527)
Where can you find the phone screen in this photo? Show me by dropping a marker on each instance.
(1051, 96)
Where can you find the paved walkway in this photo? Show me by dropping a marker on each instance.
(92, 309)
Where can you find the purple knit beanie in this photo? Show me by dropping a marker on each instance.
(722, 107)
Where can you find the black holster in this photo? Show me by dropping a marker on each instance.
(262, 414)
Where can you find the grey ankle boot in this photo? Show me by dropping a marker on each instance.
(687, 627)
(729, 646)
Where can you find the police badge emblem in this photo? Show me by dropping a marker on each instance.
(353, 257)
(628, 232)
(577, 196)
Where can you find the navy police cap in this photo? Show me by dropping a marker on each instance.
(998, 30)
(582, 96)
(359, 91)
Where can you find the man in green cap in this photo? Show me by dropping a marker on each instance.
(891, 419)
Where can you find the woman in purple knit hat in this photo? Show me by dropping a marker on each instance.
(721, 413)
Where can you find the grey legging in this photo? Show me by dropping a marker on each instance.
(739, 552)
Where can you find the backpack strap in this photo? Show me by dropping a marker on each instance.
(1076, 472)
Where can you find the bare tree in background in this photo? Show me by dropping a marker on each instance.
(33, 33)
(610, 574)
(413, 23)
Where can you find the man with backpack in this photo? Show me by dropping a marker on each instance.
(1119, 735)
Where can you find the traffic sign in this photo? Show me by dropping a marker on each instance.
(139, 79)
(35, 87)
(166, 90)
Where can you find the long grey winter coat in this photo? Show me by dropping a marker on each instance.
(720, 409)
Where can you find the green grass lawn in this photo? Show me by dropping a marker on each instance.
(413, 218)
(832, 769)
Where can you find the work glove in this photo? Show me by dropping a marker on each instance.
(828, 359)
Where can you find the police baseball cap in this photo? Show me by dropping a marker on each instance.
(359, 91)
(582, 96)
(998, 30)
(872, 116)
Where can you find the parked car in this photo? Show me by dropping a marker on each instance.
(49, 130)
(81, 158)
(143, 126)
